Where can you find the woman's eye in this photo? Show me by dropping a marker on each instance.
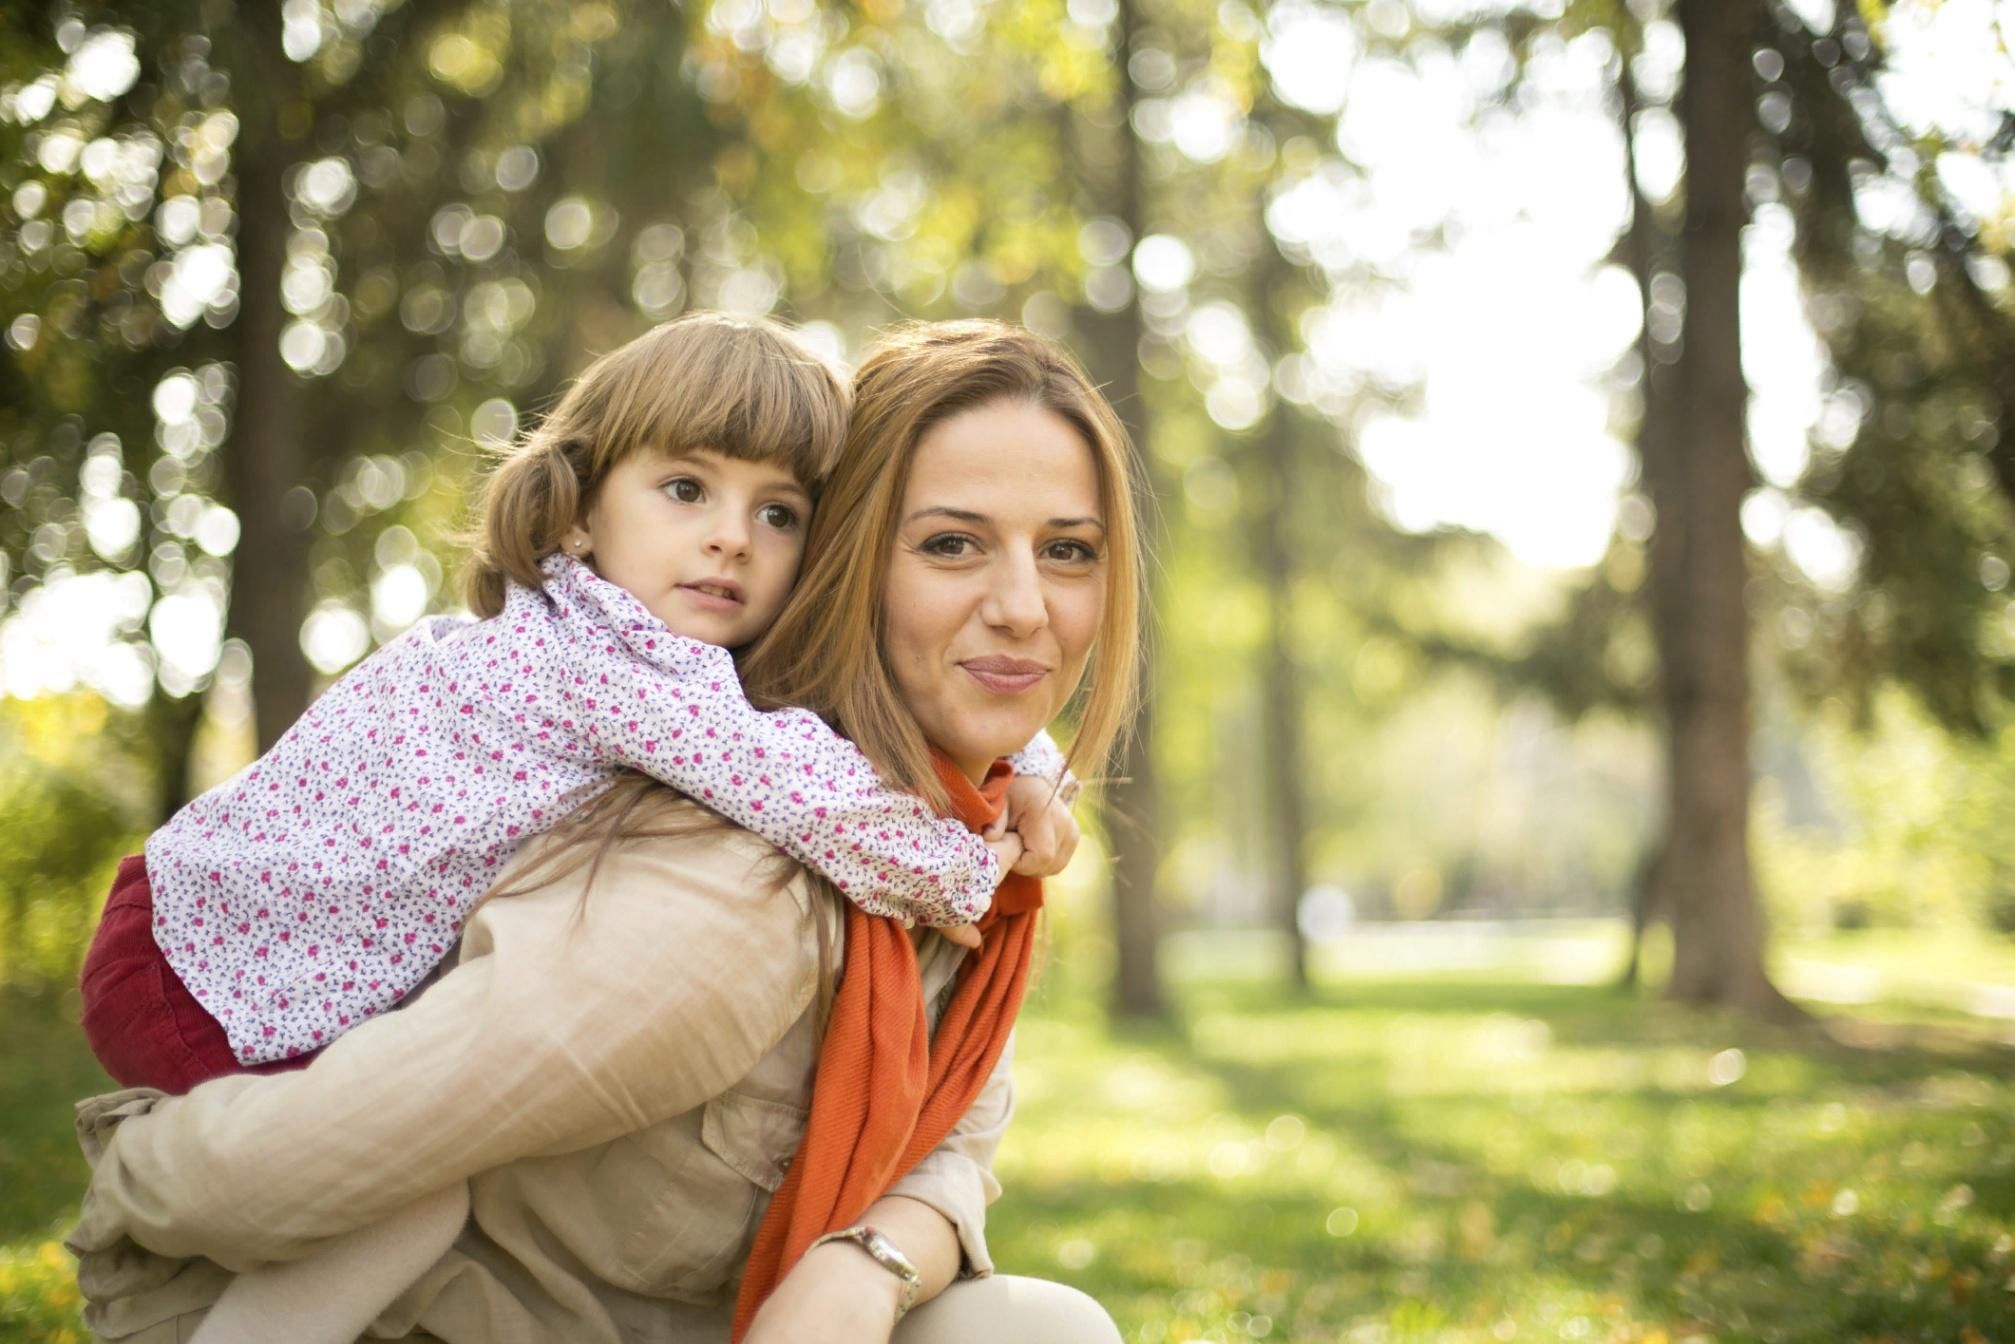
(1071, 552)
(947, 546)
(778, 516)
(685, 489)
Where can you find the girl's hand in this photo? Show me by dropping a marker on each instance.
(1037, 813)
(836, 1294)
(1008, 847)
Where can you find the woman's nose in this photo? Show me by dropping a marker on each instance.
(1015, 600)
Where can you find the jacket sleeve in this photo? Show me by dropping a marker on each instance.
(568, 1023)
(956, 1178)
(674, 709)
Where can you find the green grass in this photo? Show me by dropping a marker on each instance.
(44, 1067)
(1464, 1156)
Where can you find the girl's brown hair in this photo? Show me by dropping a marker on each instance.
(825, 650)
(743, 387)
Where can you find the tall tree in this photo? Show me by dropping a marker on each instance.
(1133, 806)
(1697, 481)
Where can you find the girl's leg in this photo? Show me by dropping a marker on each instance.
(331, 1297)
(142, 1023)
(1007, 1309)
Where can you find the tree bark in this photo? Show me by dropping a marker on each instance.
(1132, 801)
(1286, 791)
(171, 725)
(1645, 245)
(263, 454)
(1697, 483)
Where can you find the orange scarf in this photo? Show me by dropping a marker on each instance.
(886, 1092)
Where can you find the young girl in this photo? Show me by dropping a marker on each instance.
(652, 522)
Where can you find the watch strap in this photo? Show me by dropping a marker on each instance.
(884, 1253)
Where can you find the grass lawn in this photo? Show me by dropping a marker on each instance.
(1471, 1155)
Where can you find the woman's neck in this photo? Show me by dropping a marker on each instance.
(975, 771)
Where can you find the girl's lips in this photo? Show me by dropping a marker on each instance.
(710, 601)
(1005, 676)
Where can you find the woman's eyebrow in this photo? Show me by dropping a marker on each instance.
(946, 511)
(968, 516)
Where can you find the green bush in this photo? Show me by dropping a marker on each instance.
(67, 793)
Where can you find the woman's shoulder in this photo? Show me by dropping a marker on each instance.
(667, 848)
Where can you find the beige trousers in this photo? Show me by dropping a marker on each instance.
(1000, 1309)
(1007, 1309)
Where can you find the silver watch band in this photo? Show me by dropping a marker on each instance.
(884, 1253)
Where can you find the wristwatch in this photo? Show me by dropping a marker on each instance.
(886, 1254)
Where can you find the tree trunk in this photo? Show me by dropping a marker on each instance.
(1132, 801)
(1287, 812)
(171, 725)
(263, 455)
(1697, 483)
(1286, 792)
(1645, 246)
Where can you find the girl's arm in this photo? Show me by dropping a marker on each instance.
(562, 1029)
(674, 709)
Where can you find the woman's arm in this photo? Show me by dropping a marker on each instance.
(838, 1294)
(936, 1215)
(556, 1033)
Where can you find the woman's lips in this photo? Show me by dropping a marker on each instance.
(1004, 676)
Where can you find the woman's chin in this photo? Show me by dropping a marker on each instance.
(982, 737)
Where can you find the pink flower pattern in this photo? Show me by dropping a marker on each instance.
(316, 887)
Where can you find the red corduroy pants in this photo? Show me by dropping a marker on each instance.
(140, 1020)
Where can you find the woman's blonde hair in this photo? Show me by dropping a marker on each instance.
(825, 650)
(745, 388)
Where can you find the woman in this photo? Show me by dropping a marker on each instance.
(622, 1065)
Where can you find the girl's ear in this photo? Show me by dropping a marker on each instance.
(576, 542)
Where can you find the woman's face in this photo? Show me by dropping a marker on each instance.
(997, 583)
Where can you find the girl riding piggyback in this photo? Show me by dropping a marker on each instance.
(650, 525)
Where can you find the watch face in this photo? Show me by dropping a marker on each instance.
(884, 1250)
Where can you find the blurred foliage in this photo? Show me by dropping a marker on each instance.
(1912, 831)
(71, 810)
(479, 196)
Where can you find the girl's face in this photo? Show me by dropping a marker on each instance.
(997, 582)
(709, 544)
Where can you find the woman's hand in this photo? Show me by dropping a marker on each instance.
(836, 1294)
(1037, 813)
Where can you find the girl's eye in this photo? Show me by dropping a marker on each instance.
(1071, 552)
(685, 489)
(948, 546)
(782, 518)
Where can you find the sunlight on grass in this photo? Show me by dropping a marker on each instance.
(1452, 1161)
(1458, 1157)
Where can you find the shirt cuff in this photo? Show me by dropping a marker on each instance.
(960, 1189)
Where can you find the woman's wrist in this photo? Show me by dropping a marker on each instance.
(887, 1255)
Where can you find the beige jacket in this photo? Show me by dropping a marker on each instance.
(621, 1084)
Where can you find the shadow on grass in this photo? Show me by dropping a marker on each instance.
(1725, 1209)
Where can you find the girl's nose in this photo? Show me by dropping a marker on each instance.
(729, 535)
